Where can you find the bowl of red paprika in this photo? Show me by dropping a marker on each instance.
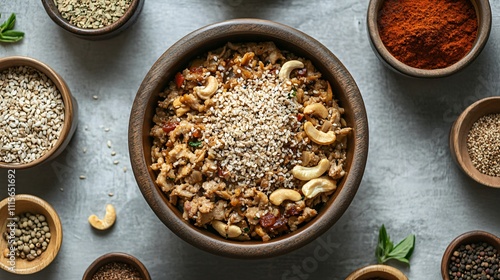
(428, 38)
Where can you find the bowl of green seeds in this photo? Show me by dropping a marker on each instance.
(94, 20)
(31, 233)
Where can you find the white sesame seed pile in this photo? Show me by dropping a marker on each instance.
(253, 128)
(483, 144)
(31, 114)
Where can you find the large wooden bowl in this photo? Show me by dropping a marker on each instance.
(208, 38)
(28, 203)
(377, 271)
(483, 12)
(464, 239)
(458, 138)
(106, 32)
(70, 109)
(116, 257)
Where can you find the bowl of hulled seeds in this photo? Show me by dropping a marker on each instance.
(94, 20)
(39, 116)
(31, 234)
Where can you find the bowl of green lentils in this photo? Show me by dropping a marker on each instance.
(94, 20)
(31, 234)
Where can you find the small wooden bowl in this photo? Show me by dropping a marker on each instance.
(209, 38)
(116, 257)
(464, 239)
(483, 12)
(28, 203)
(377, 270)
(70, 109)
(458, 138)
(106, 32)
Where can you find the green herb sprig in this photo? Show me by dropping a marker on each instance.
(7, 35)
(387, 251)
(195, 144)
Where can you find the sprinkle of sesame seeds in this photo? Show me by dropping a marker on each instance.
(249, 140)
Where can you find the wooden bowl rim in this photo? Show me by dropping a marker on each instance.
(474, 236)
(457, 142)
(70, 106)
(116, 257)
(56, 241)
(376, 270)
(53, 12)
(201, 238)
(483, 12)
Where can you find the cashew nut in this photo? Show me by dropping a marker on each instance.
(106, 222)
(208, 90)
(308, 173)
(287, 68)
(227, 231)
(319, 137)
(180, 108)
(316, 109)
(280, 195)
(318, 185)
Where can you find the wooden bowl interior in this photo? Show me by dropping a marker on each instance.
(458, 139)
(34, 205)
(116, 257)
(70, 108)
(105, 32)
(177, 58)
(483, 13)
(464, 239)
(377, 271)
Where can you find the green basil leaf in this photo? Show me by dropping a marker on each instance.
(9, 24)
(387, 251)
(13, 33)
(404, 247)
(9, 39)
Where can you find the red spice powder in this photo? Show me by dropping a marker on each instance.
(428, 34)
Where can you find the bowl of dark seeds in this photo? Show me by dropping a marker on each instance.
(94, 20)
(472, 255)
(475, 141)
(31, 234)
(39, 116)
(116, 266)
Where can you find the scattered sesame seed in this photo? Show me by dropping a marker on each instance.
(83, 177)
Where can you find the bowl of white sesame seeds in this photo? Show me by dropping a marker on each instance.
(39, 116)
(475, 141)
(94, 20)
(248, 138)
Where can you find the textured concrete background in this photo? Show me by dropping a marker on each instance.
(411, 183)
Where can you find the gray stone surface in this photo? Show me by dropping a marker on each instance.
(411, 183)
